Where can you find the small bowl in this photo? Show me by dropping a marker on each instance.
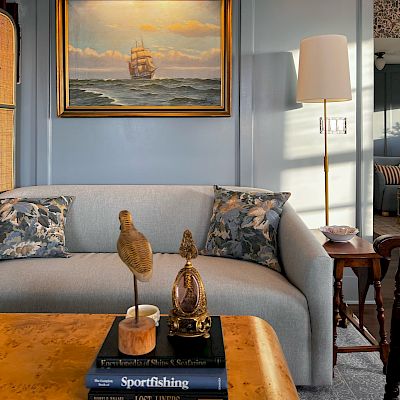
(339, 233)
(145, 310)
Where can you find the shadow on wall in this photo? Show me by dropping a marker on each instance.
(275, 83)
(275, 77)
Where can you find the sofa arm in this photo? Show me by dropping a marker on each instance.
(379, 188)
(308, 267)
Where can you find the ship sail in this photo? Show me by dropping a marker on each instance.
(141, 65)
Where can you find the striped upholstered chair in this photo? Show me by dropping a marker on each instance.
(386, 183)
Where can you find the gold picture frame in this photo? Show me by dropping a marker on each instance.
(75, 100)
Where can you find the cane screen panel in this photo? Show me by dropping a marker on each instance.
(6, 149)
(8, 65)
(7, 61)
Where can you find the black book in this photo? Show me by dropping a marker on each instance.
(175, 352)
(101, 394)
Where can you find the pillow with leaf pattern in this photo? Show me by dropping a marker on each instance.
(244, 225)
(33, 227)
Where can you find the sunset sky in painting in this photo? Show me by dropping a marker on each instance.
(183, 36)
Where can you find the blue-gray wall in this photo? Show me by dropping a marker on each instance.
(112, 150)
(270, 141)
(286, 150)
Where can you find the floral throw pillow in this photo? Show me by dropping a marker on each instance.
(245, 225)
(33, 227)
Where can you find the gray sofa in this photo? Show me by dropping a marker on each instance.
(298, 303)
(385, 196)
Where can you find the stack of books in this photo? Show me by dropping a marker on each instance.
(177, 369)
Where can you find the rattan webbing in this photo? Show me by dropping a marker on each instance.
(7, 101)
(7, 61)
(6, 149)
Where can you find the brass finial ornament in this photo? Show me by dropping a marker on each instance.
(135, 335)
(189, 316)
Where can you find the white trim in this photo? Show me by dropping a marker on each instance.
(246, 141)
(43, 68)
(364, 113)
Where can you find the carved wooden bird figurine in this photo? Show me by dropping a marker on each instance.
(134, 249)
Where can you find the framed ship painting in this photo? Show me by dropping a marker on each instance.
(143, 58)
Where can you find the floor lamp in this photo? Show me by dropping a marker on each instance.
(324, 77)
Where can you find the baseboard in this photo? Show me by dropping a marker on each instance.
(356, 302)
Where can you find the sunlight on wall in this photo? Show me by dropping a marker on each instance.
(303, 145)
(366, 196)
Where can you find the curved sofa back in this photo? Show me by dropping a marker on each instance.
(161, 212)
(386, 160)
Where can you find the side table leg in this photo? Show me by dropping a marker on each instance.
(376, 267)
(339, 266)
(342, 307)
(363, 286)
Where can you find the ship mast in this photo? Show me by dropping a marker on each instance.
(141, 65)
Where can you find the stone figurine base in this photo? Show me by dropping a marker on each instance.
(136, 338)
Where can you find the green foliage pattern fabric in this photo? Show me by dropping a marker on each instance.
(33, 227)
(245, 225)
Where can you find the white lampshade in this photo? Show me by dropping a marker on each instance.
(323, 69)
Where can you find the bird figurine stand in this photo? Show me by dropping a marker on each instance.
(136, 335)
(189, 316)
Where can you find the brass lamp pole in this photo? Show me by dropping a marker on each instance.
(324, 76)
(326, 168)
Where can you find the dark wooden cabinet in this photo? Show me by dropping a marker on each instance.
(387, 102)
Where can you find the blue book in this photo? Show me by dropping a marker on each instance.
(157, 378)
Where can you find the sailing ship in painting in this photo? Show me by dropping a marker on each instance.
(141, 65)
(144, 88)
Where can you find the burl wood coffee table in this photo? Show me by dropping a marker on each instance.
(46, 356)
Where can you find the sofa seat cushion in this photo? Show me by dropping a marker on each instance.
(389, 198)
(101, 283)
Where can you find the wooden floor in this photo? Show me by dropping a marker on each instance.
(386, 225)
(383, 226)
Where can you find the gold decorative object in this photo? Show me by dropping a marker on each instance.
(135, 335)
(8, 80)
(189, 316)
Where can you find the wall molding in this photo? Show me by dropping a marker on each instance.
(364, 113)
(246, 97)
(43, 69)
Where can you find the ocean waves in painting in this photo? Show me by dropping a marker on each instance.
(145, 92)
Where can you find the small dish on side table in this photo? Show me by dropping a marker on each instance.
(339, 233)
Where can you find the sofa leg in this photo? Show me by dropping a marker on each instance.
(385, 213)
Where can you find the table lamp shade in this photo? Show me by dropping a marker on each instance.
(323, 70)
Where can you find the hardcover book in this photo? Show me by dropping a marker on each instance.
(178, 379)
(100, 394)
(175, 352)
